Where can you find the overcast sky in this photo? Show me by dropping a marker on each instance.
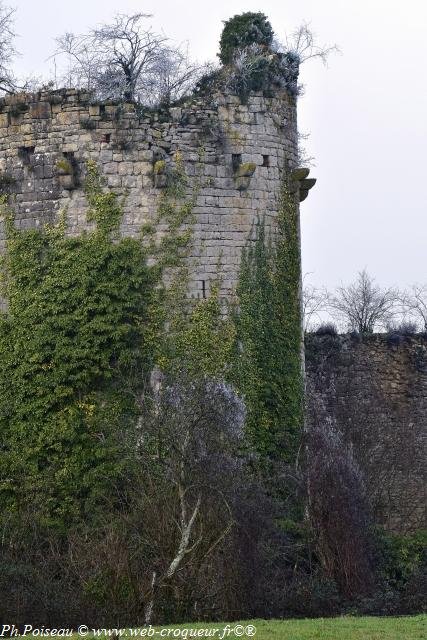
(366, 114)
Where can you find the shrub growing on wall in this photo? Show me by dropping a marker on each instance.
(243, 30)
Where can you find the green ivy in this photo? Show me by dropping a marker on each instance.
(268, 363)
(199, 339)
(175, 213)
(402, 556)
(72, 352)
(104, 206)
(87, 320)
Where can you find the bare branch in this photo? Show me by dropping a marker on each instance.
(124, 61)
(365, 307)
(314, 302)
(302, 44)
(8, 82)
(416, 304)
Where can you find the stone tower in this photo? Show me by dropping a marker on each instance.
(47, 138)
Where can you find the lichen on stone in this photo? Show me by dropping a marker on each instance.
(64, 167)
(247, 169)
(159, 167)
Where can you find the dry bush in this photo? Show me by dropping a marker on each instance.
(338, 507)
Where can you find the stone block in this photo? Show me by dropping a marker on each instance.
(68, 118)
(40, 110)
(125, 168)
(111, 167)
(114, 181)
(126, 150)
(70, 147)
(105, 156)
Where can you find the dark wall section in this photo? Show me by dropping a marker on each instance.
(375, 390)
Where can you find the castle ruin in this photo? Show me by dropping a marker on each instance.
(47, 138)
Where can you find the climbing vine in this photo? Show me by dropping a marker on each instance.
(90, 316)
(198, 339)
(88, 319)
(72, 348)
(104, 207)
(268, 355)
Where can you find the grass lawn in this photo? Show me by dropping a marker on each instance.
(344, 628)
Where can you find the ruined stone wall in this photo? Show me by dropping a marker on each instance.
(375, 390)
(47, 138)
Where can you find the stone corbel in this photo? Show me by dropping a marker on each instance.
(243, 174)
(301, 183)
(66, 173)
(160, 174)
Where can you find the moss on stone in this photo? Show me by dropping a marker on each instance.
(247, 169)
(7, 181)
(159, 167)
(64, 167)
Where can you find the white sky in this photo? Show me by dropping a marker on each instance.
(366, 113)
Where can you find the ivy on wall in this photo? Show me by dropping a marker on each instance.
(71, 349)
(198, 339)
(85, 326)
(88, 319)
(268, 364)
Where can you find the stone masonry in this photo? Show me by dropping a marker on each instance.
(375, 391)
(47, 138)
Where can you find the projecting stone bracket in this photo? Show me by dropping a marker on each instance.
(66, 171)
(161, 176)
(243, 174)
(300, 183)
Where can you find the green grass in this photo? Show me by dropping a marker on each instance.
(344, 628)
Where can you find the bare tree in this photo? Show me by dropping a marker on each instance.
(82, 61)
(124, 61)
(7, 49)
(184, 488)
(302, 45)
(116, 59)
(174, 75)
(186, 451)
(314, 302)
(365, 307)
(298, 47)
(415, 302)
(337, 503)
(129, 51)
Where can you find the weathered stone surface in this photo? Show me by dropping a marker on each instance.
(300, 173)
(209, 134)
(375, 390)
(307, 183)
(40, 110)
